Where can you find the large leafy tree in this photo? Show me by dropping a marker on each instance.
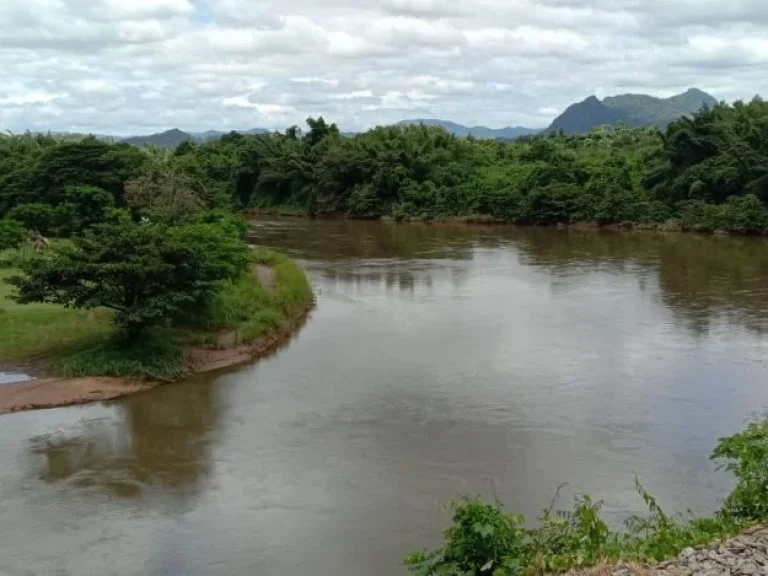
(148, 274)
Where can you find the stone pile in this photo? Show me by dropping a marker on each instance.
(744, 555)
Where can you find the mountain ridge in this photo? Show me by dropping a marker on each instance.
(507, 132)
(634, 110)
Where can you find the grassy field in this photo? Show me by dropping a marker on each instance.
(43, 332)
(79, 343)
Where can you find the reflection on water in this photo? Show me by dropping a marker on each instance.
(164, 443)
(438, 359)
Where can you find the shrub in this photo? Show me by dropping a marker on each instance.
(481, 539)
(746, 455)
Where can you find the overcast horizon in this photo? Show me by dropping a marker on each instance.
(120, 68)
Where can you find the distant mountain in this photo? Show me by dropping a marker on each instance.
(174, 137)
(632, 109)
(508, 132)
(167, 139)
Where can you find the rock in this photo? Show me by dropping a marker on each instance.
(687, 552)
(746, 568)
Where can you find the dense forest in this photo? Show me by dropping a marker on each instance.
(705, 172)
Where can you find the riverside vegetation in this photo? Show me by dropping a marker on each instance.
(704, 172)
(484, 539)
(142, 263)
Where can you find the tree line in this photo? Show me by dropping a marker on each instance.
(707, 172)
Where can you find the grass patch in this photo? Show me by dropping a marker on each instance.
(156, 356)
(249, 309)
(44, 331)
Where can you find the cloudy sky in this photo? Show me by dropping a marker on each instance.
(140, 66)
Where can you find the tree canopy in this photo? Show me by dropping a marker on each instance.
(149, 274)
(706, 171)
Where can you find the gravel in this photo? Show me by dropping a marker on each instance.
(744, 555)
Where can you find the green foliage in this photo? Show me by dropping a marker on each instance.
(12, 234)
(568, 539)
(708, 171)
(154, 356)
(148, 274)
(484, 540)
(83, 207)
(41, 217)
(246, 308)
(746, 455)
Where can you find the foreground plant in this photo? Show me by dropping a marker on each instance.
(484, 540)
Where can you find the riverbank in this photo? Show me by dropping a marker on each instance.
(250, 319)
(743, 555)
(672, 225)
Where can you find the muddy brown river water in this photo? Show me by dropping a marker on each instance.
(439, 360)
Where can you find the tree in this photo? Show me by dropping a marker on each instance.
(12, 234)
(149, 274)
(165, 192)
(40, 217)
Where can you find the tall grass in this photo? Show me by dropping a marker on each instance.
(155, 356)
(253, 310)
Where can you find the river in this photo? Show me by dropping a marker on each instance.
(439, 360)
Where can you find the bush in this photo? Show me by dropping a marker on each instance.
(746, 455)
(481, 539)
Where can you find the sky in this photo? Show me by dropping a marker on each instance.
(141, 66)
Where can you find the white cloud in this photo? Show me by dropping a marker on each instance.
(25, 98)
(265, 109)
(122, 67)
(354, 95)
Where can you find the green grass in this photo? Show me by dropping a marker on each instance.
(156, 356)
(44, 332)
(82, 343)
(251, 310)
